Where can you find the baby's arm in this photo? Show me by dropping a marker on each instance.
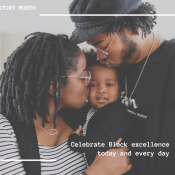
(111, 127)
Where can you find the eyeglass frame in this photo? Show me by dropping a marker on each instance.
(86, 77)
(105, 52)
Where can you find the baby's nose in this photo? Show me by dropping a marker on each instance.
(101, 91)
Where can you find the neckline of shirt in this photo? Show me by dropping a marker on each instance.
(152, 55)
(50, 147)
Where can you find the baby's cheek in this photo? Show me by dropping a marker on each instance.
(92, 97)
(114, 95)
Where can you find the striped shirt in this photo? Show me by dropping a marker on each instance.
(67, 161)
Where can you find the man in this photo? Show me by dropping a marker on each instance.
(148, 88)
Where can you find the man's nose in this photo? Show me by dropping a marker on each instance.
(101, 56)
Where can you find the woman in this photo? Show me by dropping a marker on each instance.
(43, 75)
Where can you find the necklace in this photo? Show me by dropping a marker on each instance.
(128, 100)
(51, 132)
(160, 40)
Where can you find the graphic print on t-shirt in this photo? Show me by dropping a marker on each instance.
(124, 98)
(134, 105)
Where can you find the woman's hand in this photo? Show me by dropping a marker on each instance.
(108, 165)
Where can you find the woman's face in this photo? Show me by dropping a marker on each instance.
(74, 94)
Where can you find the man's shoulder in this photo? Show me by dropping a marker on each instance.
(171, 43)
(172, 40)
(169, 53)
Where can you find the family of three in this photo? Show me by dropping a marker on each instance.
(129, 84)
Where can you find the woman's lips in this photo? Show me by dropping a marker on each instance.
(101, 99)
(108, 66)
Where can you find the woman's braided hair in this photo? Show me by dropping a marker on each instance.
(26, 80)
(145, 23)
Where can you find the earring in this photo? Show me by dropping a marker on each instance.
(57, 94)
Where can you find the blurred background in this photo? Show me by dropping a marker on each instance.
(15, 25)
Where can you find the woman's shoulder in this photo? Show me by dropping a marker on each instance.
(9, 149)
(6, 128)
(4, 122)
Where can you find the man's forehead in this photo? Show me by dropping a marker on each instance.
(97, 39)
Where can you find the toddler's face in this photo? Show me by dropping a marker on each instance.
(103, 87)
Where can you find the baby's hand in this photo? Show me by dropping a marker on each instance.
(79, 131)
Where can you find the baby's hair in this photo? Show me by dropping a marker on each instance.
(92, 60)
(91, 57)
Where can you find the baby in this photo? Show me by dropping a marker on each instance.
(106, 120)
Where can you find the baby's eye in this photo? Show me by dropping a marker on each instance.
(109, 84)
(92, 85)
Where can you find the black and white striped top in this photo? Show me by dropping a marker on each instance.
(67, 161)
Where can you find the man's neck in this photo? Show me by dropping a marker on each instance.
(145, 46)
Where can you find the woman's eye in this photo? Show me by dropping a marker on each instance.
(83, 79)
(92, 85)
(105, 47)
(109, 84)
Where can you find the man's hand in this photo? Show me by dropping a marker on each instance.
(108, 165)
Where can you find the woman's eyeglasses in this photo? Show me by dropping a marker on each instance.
(86, 78)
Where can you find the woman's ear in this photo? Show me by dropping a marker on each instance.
(52, 87)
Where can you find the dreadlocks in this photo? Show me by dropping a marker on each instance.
(26, 80)
(145, 23)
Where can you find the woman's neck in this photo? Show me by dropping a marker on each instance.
(50, 117)
(39, 119)
(63, 132)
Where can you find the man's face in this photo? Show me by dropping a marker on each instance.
(122, 51)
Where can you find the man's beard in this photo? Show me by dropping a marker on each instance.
(124, 66)
(130, 48)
